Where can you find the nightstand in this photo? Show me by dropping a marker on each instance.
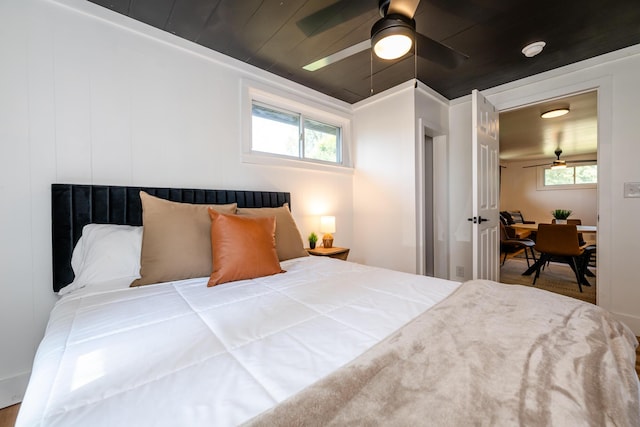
(338, 253)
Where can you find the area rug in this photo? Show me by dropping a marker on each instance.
(556, 277)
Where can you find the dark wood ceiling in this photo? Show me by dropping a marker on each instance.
(492, 33)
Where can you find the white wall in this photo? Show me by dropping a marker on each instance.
(460, 191)
(519, 191)
(89, 96)
(384, 181)
(386, 189)
(615, 76)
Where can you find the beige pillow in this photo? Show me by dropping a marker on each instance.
(176, 240)
(288, 240)
(243, 248)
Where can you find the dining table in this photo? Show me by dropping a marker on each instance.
(534, 227)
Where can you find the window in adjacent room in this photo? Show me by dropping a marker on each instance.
(582, 176)
(292, 134)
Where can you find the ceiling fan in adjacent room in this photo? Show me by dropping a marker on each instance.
(559, 164)
(392, 37)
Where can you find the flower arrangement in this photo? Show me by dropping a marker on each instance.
(313, 238)
(561, 213)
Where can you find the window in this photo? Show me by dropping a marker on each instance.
(293, 129)
(583, 176)
(292, 134)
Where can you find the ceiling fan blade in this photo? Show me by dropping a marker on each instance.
(582, 161)
(338, 56)
(567, 161)
(333, 15)
(403, 7)
(437, 52)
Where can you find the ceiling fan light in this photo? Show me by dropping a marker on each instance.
(556, 112)
(393, 46)
(559, 166)
(392, 36)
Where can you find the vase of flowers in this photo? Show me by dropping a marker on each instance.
(313, 238)
(561, 215)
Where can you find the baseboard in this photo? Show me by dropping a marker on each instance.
(12, 389)
(633, 322)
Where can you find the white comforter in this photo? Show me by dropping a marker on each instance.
(182, 354)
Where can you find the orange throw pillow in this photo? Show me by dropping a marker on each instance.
(243, 248)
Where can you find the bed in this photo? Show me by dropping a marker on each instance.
(326, 342)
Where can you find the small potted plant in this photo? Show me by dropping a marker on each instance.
(313, 238)
(561, 215)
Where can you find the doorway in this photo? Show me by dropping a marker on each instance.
(432, 204)
(529, 147)
(429, 245)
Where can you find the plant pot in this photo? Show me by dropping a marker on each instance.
(561, 221)
(312, 245)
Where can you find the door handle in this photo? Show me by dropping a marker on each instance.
(477, 220)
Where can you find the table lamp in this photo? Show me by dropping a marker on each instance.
(327, 226)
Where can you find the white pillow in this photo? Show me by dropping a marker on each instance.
(105, 252)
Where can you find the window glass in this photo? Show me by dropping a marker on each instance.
(558, 176)
(275, 131)
(587, 174)
(321, 141)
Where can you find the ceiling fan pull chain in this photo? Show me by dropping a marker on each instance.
(370, 72)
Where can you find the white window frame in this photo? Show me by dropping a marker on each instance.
(307, 108)
(542, 187)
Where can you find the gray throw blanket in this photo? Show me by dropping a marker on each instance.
(489, 354)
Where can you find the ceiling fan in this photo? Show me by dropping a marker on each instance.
(559, 164)
(396, 26)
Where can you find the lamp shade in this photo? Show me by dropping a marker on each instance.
(328, 224)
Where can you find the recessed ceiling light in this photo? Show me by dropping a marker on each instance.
(533, 49)
(556, 112)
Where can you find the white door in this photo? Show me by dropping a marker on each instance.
(486, 190)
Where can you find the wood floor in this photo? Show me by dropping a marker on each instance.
(8, 415)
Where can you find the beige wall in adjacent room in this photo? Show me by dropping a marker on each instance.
(519, 191)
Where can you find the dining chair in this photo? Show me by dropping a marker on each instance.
(510, 243)
(514, 217)
(560, 243)
(590, 249)
(573, 221)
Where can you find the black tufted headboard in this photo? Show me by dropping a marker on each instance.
(74, 206)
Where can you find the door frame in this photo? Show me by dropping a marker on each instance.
(604, 88)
